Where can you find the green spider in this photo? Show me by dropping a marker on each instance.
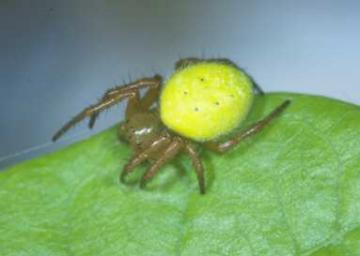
(203, 100)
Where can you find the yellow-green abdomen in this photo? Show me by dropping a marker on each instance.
(206, 100)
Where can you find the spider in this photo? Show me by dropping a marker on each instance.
(203, 100)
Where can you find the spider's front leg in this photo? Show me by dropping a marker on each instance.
(222, 147)
(170, 152)
(157, 145)
(110, 98)
(177, 144)
(134, 104)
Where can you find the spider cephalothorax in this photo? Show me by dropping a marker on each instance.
(203, 100)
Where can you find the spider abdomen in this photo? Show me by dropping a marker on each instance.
(206, 100)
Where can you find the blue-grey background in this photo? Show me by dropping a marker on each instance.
(56, 57)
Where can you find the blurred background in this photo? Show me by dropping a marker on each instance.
(57, 57)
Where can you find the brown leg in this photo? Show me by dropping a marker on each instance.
(257, 87)
(167, 155)
(199, 169)
(252, 130)
(136, 104)
(133, 105)
(110, 98)
(150, 97)
(89, 111)
(153, 82)
(157, 144)
(108, 95)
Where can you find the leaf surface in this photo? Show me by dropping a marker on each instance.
(293, 189)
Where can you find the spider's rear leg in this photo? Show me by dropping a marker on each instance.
(154, 83)
(257, 87)
(222, 147)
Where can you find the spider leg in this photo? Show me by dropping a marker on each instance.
(108, 94)
(171, 151)
(150, 97)
(133, 105)
(89, 111)
(111, 97)
(250, 131)
(136, 104)
(153, 82)
(257, 87)
(156, 145)
(196, 162)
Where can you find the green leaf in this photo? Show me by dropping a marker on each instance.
(293, 189)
